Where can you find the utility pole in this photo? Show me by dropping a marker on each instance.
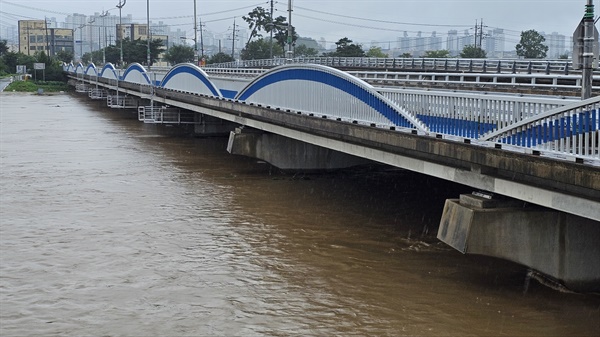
(92, 20)
(476, 30)
(272, 27)
(588, 50)
(481, 34)
(120, 6)
(103, 15)
(195, 35)
(46, 27)
(233, 41)
(149, 57)
(290, 53)
(201, 39)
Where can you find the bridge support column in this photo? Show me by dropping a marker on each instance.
(562, 246)
(288, 154)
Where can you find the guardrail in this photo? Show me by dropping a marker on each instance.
(468, 114)
(572, 129)
(435, 64)
(489, 80)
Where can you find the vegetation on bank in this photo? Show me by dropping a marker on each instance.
(32, 86)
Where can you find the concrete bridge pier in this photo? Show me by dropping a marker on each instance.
(562, 246)
(287, 153)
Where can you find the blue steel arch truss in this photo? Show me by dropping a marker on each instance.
(109, 71)
(189, 78)
(136, 73)
(321, 89)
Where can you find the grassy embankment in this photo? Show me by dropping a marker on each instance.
(31, 86)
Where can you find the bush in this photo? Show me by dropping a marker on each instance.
(31, 86)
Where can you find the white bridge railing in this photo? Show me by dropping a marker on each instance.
(442, 64)
(572, 129)
(469, 114)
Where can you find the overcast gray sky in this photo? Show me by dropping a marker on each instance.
(382, 20)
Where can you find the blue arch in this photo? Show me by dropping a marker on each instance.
(188, 68)
(339, 80)
(79, 67)
(139, 68)
(91, 66)
(109, 67)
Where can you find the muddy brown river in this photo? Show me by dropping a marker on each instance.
(109, 227)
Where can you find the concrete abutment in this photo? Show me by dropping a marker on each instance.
(562, 246)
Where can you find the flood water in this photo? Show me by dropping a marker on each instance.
(109, 227)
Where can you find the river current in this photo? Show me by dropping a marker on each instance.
(110, 227)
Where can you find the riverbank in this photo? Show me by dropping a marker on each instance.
(30, 86)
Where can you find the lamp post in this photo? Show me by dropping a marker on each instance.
(195, 35)
(271, 33)
(120, 6)
(92, 20)
(149, 35)
(80, 41)
(588, 51)
(290, 53)
(103, 15)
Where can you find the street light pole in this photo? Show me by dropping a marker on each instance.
(588, 51)
(149, 36)
(92, 20)
(120, 6)
(289, 53)
(195, 35)
(271, 38)
(201, 40)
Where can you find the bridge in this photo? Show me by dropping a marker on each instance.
(518, 152)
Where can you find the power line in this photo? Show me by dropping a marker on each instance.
(379, 21)
(36, 9)
(360, 26)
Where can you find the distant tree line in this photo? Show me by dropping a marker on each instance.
(9, 60)
(259, 47)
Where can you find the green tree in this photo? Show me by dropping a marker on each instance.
(220, 58)
(260, 49)
(376, 52)
(112, 54)
(472, 52)
(136, 51)
(532, 45)
(65, 56)
(564, 56)
(259, 20)
(406, 55)
(437, 54)
(345, 48)
(180, 54)
(3, 47)
(86, 58)
(303, 50)
(3, 67)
